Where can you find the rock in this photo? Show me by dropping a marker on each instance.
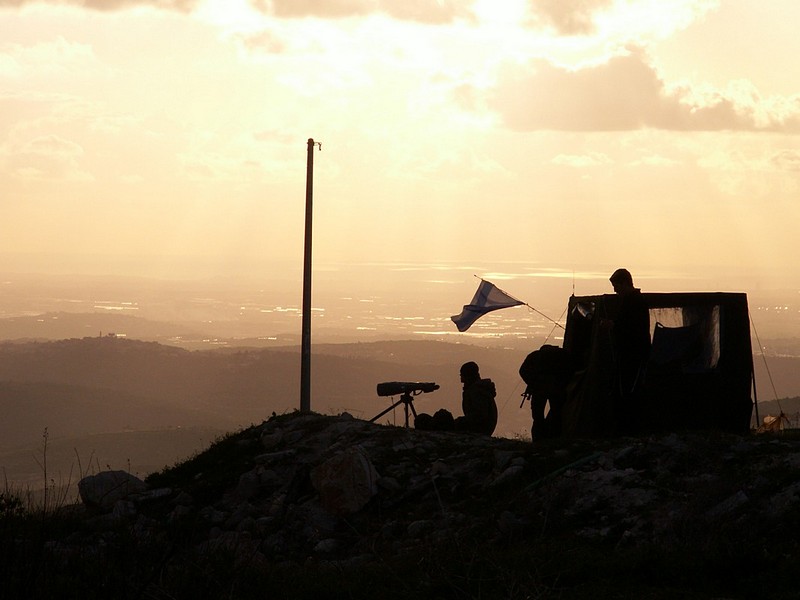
(179, 512)
(124, 509)
(183, 499)
(503, 458)
(275, 456)
(150, 495)
(212, 515)
(440, 468)
(106, 488)
(417, 529)
(326, 546)
(238, 514)
(271, 440)
(390, 484)
(508, 523)
(345, 482)
(784, 501)
(509, 474)
(247, 487)
(729, 505)
(247, 524)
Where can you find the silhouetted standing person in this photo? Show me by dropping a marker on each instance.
(547, 372)
(477, 402)
(630, 340)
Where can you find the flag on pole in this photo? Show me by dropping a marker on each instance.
(486, 299)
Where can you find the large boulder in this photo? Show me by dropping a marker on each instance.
(106, 488)
(345, 482)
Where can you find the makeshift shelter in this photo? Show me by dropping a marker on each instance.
(700, 369)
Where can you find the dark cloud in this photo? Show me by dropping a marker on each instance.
(111, 5)
(625, 93)
(422, 11)
(568, 17)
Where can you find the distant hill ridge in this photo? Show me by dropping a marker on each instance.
(79, 387)
(64, 325)
(82, 386)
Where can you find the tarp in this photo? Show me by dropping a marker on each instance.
(699, 374)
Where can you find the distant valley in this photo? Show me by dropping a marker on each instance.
(142, 405)
(78, 388)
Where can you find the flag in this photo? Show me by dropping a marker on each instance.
(486, 299)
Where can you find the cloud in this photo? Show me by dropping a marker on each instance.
(264, 41)
(47, 157)
(53, 146)
(595, 159)
(422, 11)
(625, 93)
(50, 58)
(568, 17)
(275, 136)
(110, 5)
(787, 160)
(654, 160)
(618, 19)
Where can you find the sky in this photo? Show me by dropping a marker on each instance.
(169, 137)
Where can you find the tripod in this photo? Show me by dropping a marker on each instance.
(405, 399)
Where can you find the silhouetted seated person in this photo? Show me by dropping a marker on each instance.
(477, 402)
(630, 343)
(547, 372)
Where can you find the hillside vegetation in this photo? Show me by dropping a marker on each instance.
(312, 506)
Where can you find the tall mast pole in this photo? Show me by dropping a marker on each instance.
(305, 361)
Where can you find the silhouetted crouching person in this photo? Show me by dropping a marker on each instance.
(547, 372)
(477, 402)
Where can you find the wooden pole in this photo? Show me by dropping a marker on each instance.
(305, 360)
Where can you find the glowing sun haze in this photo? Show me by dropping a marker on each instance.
(150, 134)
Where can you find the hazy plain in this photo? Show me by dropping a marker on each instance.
(369, 302)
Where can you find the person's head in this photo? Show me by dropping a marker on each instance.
(622, 281)
(470, 372)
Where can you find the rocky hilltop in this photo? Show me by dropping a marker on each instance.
(305, 505)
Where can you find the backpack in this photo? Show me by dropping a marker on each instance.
(547, 361)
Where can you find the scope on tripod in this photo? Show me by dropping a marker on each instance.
(392, 388)
(406, 389)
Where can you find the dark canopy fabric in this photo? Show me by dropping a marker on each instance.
(700, 369)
